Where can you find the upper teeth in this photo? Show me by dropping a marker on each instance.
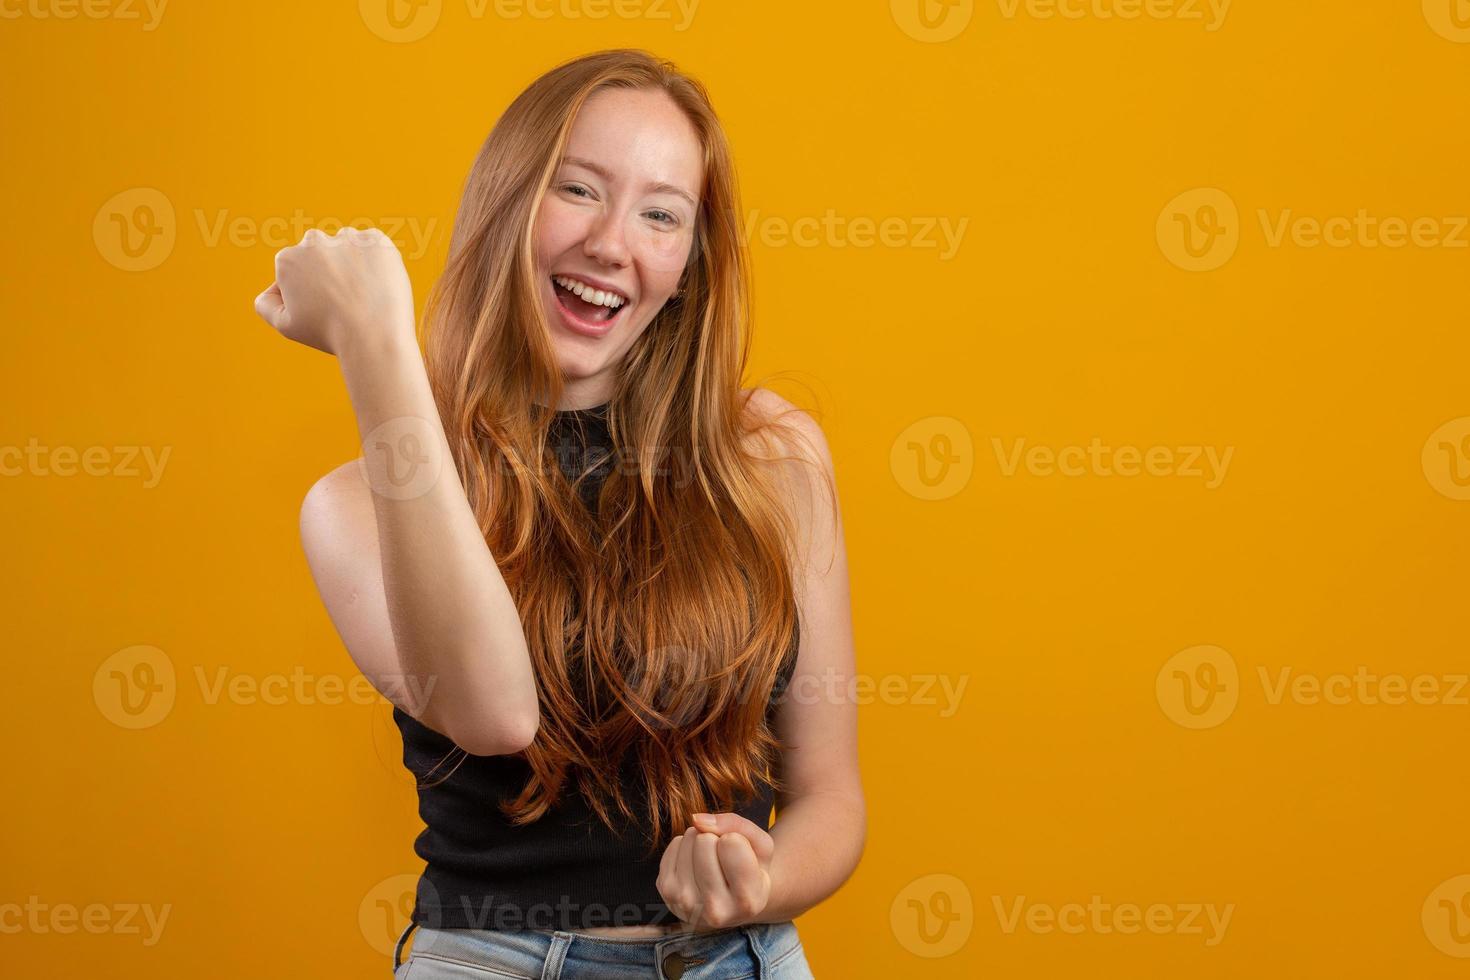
(588, 294)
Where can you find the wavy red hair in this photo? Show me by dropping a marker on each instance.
(657, 628)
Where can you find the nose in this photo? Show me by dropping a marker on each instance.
(605, 240)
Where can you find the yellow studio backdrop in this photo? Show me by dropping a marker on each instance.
(1138, 331)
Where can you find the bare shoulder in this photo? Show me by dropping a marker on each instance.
(781, 430)
(790, 440)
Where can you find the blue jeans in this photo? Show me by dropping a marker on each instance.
(762, 951)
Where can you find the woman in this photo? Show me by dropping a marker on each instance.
(587, 617)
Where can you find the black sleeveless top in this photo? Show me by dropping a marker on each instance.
(566, 870)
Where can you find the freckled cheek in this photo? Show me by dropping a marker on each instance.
(661, 257)
(559, 230)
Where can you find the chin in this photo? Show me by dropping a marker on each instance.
(574, 359)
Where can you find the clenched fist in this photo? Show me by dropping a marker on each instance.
(336, 291)
(718, 873)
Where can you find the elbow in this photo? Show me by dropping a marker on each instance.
(503, 739)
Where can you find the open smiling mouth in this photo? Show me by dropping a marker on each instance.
(587, 304)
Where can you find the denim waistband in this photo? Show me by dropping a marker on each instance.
(533, 954)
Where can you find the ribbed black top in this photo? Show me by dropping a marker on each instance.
(566, 870)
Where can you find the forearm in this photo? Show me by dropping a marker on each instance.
(455, 624)
(819, 841)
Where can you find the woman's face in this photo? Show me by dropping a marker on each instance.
(617, 219)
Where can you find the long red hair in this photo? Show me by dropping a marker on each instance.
(656, 629)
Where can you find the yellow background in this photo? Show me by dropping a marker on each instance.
(278, 834)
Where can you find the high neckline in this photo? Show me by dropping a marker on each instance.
(597, 411)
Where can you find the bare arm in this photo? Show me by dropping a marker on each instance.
(392, 542)
(821, 818)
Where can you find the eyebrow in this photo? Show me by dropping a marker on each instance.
(658, 187)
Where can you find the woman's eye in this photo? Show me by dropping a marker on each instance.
(577, 189)
(663, 217)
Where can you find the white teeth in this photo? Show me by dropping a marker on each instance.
(590, 295)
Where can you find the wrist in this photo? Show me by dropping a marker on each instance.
(778, 902)
(362, 349)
